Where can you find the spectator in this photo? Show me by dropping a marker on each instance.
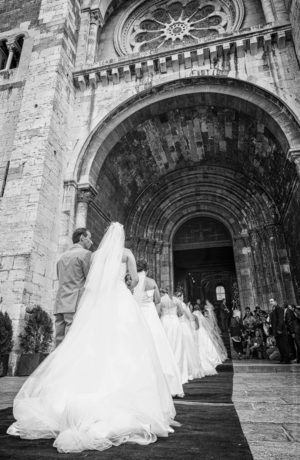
(224, 316)
(280, 331)
(257, 345)
(272, 351)
(248, 320)
(289, 318)
(265, 325)
(297, 331)
(236, 329)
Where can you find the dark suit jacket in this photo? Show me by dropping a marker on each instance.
(72, 270)
(278, 323)
(290, 321)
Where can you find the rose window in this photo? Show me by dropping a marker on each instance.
(159, 24)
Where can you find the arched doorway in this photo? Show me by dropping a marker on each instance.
(190, 148)
(203, 258)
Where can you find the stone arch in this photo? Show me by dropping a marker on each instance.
(260, 234)
(243, 96)
(246, 213)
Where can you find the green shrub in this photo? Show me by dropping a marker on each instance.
(6, 333)
(38, 332)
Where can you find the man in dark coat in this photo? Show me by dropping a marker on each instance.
(289, 317)
(297, 331)
(280, 331)
(224, 316)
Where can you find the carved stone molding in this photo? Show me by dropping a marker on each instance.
(160, 24)
(86, 194)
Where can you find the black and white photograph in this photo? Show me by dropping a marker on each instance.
(149, 229)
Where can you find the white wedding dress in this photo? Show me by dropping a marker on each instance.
(189, 344)
(208, 355)
(173, 330)
(163, 348)
(103, 386)
(215, 331)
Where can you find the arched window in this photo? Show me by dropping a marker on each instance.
(220, 293)
(18, 45)
(3, 54)
(10, 52)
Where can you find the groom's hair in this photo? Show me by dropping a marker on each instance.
(77, 234)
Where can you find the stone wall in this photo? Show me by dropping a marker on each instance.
(13, 13)
(295, 20)
(32, 201)
(292, 237)
(53, 104)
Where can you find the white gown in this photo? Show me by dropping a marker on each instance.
(163, 348)
(215, 332)
(171, 325)
(103, 386)
(208, 355)
(190, 347)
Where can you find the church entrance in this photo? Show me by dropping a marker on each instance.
(204, 266)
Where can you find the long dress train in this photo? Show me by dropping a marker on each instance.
(208, 355)
(163, 348)
(103, 386)
(173, 330)
(189, 345)
(215, 331)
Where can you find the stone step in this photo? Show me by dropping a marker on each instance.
(263, 366)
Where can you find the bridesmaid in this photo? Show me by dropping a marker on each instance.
(147, 296)
(187, 321)
(169, 315)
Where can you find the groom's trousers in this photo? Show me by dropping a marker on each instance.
(63, 323)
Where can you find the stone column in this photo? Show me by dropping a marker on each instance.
(245, 271)
(165, 266)
(11, 50)
(95, 21)
(269, 10)
(83, 37)
(142, 249)
(157, 271)
(68, 215)
(85, 195)
(294, 156)
(2, 58)
(279, 259)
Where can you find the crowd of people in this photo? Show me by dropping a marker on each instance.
(258, 334)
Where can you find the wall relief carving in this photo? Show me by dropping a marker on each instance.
(149, 26)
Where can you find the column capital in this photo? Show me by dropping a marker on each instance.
(13, 45)
(293, 154)
(70, 183)
(86, 193)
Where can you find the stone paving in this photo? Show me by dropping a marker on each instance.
(267, 400)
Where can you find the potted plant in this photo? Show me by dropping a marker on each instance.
(6, 343)
(35, 340)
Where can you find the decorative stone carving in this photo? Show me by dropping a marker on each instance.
(86, 194)
(155, 25)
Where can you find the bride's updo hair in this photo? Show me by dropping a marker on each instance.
(142, 265)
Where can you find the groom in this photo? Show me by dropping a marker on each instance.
(72, 270)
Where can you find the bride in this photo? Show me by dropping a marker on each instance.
(103, 386)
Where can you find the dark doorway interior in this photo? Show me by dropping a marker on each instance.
(204, 265)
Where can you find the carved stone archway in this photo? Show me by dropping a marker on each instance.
(256, 223)
(211, 191)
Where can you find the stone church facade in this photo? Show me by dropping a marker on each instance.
(178, 118)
